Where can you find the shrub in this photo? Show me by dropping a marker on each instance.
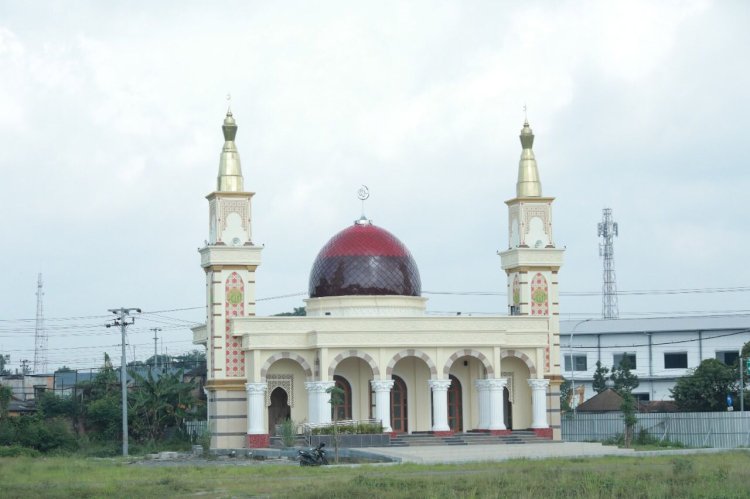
(17, 451)
(288, 430)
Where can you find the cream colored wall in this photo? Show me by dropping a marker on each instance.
(299, 409)
(228, 423)
(521, 392)
(415, 374)
(466, 375)
(358, 373)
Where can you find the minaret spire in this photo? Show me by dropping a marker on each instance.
(528, 184)
(230, 171)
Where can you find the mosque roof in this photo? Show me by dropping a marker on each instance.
(364, 259)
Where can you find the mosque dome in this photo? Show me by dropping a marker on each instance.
(364, 260)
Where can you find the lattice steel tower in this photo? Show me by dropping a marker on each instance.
(608, 231)
(40, 335)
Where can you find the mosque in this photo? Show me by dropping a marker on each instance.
(366, 330)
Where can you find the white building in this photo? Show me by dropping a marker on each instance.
(660, 349)
(366, 329)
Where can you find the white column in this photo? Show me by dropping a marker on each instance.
(484, 403)
(382, 389)
(495, 388)
(323, 405)
(539, 402)
(256, 406)
(440, 404)
(312, 402)
(318, 408)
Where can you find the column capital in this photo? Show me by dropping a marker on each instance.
(496, 383)
(439, 385)
(538, 384)
(482, 384)
(252, 388)
(318, 386)
(382, 385)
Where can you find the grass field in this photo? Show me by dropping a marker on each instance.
(703, 475)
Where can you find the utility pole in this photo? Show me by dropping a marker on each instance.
(122, 321)
(156, 357)
(607, 230)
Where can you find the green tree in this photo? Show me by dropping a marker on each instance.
(101, 408)
(336, 400)
(624, 379)
(624, 384)
(565, 396)
(159, 404)
(298, 312)
(628, 408)
(5, 395)
(600, 377)
(706, 389)
(4, 359)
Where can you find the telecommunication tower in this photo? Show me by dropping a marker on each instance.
(607, 231)
(40, 335)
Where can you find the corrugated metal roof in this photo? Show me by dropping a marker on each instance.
(655, 324)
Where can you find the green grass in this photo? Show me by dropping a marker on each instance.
(701, 475)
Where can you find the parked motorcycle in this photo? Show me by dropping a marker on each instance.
(313, 457)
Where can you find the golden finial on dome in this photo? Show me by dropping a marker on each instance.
(230, 172)
(528, 184)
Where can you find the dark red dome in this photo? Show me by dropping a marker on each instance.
(364, 260)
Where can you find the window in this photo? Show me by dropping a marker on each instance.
(675, 360)
(579, 361)
(641, 397)
(618, 358)
(729, 358)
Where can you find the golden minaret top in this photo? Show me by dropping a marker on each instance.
(230, 171)
(528, 184)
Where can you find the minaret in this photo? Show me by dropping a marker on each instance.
(532, 261)
(229, 259)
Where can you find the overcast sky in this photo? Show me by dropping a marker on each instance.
(110, 137)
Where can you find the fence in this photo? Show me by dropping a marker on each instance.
(692, 429)
(196, 428)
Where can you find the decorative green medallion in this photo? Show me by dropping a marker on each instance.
(539, 296)
(234, 296)
(516, 296)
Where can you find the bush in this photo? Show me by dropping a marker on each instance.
(36, 433)
(288, 431)
(17, 451)
(351, 429)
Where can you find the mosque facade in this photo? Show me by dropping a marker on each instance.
(366, 330)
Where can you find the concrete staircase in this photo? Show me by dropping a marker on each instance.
(470, 438)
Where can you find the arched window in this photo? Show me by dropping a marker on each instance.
(343, 411)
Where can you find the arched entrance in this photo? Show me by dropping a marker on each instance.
(279, 410)
(399, 415)
(507, 409)
(455, 404)
(343, 411)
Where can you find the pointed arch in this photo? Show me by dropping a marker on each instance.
(286, 355)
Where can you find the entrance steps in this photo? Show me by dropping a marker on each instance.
(470, 438)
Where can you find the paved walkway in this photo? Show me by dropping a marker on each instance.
(442, 454)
